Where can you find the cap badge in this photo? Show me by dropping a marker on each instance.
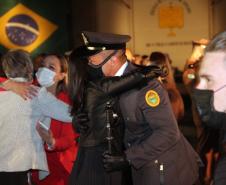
(85, 39)
(152, 98)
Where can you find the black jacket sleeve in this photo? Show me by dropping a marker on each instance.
(114, 86)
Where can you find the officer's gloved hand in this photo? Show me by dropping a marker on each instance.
(79, 122)
(153, 71)
(114, 163)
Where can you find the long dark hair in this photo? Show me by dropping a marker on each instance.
(77, 77)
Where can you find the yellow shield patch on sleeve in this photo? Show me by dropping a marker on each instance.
(152, 98)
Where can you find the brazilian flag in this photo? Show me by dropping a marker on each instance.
(33, 25)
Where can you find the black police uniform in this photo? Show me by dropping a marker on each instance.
(88, 168)
(158, 152)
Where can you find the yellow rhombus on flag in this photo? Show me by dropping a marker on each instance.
(22, 28)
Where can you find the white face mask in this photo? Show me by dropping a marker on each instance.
(45, 77)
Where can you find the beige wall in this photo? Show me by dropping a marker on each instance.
(141, 20)
(219, 16)
(114, 16)
(149, 36)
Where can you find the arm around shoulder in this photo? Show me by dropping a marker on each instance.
(52, 107)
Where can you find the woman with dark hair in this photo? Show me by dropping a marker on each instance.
(95, 95)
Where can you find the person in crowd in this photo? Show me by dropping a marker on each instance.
(206, 145)
(209, 97)
(154, 144)
(145, 60)
(21, 146)
(190, 77)
(60, 140)
(98, 98)
(129, 55)
(175, 97)
(137, 59)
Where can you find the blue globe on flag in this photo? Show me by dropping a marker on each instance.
(22, 30)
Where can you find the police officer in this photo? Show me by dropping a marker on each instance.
(97, 96)
(155, 148)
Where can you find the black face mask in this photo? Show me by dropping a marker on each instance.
(203, 100)
(94, 73)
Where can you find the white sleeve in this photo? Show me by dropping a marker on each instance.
(52, 107)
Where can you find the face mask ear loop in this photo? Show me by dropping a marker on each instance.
(105, 60)
(220, 88)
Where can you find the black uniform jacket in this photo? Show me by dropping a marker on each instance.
(157, 150)
(97, 94)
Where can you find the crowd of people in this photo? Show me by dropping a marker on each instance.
(103, 116)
